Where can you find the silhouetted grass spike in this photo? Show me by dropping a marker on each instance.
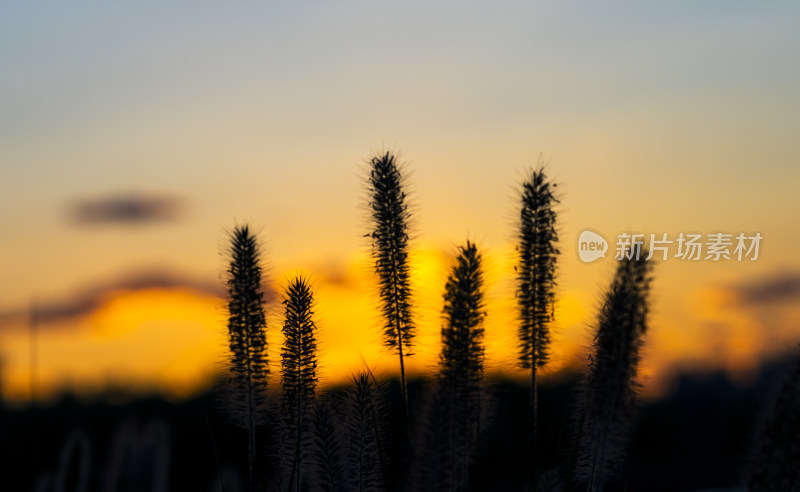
(140, 459)
(75, 463)
(299, 373)
(461, 361)
(608, 392)
(434, 461)
(365, 434)
(462, 354)
(775, 459)
(550, 481)
(536, 268)
(390, 217)
(247, 339)
(326, 451)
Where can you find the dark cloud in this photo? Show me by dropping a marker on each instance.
(333, 272)
(87, 301)
(126, 209)
(777, 289)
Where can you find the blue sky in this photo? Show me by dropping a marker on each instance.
(252, 106)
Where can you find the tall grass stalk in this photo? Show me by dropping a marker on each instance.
(298, 374)
(461, 360)
(247, 339)
(606, 404)
(536, 266)
(390, 220)
(774, 462)
(365, 431)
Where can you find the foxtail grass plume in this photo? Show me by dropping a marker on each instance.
(775, 460)
(390, 221)
(607, 398)
(461, 360)
(434, 466)
(365, 431)
(75, 463)
(298, 376)
(247, 340)
(326, 455)
(536, 266)
(140, 458)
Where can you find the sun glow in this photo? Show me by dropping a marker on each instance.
(174, 340)
(165, 339)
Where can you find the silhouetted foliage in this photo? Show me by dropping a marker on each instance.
(75, 463)
(462, 354)
(434, 462)
(248, 342)
(536, 269)
(390, 220)
(2, 399)
(606, 403)
(140, 458)
(550, 481)
(326, 450)
(298, 375)
(365, 430)
(536, 281)
(775, 458)
(461, 362)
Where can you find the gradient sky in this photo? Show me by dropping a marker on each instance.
(670, 117)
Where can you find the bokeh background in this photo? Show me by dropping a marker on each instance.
(133, 137)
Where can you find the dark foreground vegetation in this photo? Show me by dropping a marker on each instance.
(697, 438)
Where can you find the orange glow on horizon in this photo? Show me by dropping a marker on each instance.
(175, 340)
(163, 339)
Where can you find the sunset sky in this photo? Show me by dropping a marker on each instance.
(134, 137)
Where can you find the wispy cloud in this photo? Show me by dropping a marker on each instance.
(780, 288)
(84, 302)
(133, 208)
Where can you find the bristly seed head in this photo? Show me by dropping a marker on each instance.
(390, 217)
(536, 267)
